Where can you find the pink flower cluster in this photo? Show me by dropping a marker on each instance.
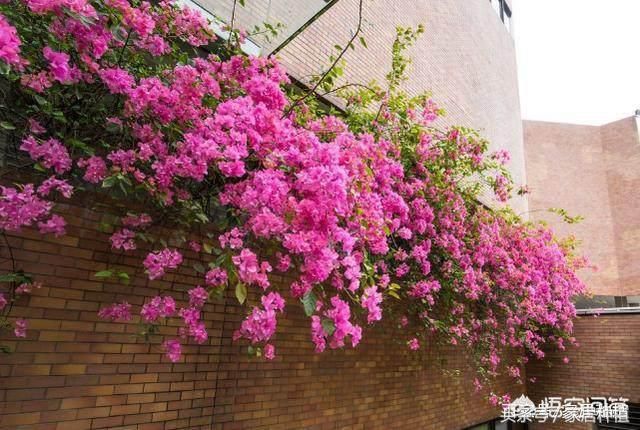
(250, 271)
(10, 44)
(25, 208)
(116, 311)
(341, 327)
(157, 263)
(123, 239)
(355, 216)
(96, 169)
(51, 153)
(261, 323)
(216, 277)
(172, 349)
(158, 307)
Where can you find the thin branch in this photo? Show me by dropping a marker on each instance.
(333, 65)
(342, 87)
(13, 269)
(232, 23)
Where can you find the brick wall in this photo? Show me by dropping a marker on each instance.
(605, 364)
(565, 169)
(591, 171)
(621, 142)
(77, 372)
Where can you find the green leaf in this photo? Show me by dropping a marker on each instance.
(7, 125)
(241, 292)
(394, 294)
(109, 182)
(328, 326)
(309, 301)
(40, 100)
(198, 267)
(81, 145)
(9, 277)
(363, 42)
(19, 277)
(5, 349)
(241, 2)
(104, 274)
(124, 277)
(207, 248)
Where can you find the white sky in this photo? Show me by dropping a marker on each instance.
(578, 60)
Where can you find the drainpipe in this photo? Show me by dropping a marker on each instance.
(303, 27)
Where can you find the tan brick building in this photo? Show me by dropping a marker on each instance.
(591, 171)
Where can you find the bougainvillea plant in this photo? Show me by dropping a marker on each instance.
(374, 213)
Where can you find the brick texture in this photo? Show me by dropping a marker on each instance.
(76, 372)
(591, 171)
(605, 364)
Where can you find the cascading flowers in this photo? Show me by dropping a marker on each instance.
(374, 212)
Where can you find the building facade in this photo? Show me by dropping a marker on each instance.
(592, 171)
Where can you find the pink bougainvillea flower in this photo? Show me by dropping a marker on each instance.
(95, 169)
(51, 153)
(116, 311)
(27, 288)
(198, 296)
(371, 300)
(118, 81)
(157, 263)
(269, 352)
(56, 225)
(10, 44)
(172, 349)
(158, 307)
(58, 65)
(21, 208)
(216, 277)
(53, 183)
(123, 239)
(20, 328)
(414, 344)
(195, 246)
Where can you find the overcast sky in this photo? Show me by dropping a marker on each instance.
(578, 60)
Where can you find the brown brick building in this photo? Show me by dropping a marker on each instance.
(75, 371)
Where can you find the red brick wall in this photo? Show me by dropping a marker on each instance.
(77, 372)
(591, 171)
(605, 364)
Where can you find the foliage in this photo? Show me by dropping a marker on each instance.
(375, 211)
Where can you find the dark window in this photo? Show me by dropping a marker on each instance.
(503, 10)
